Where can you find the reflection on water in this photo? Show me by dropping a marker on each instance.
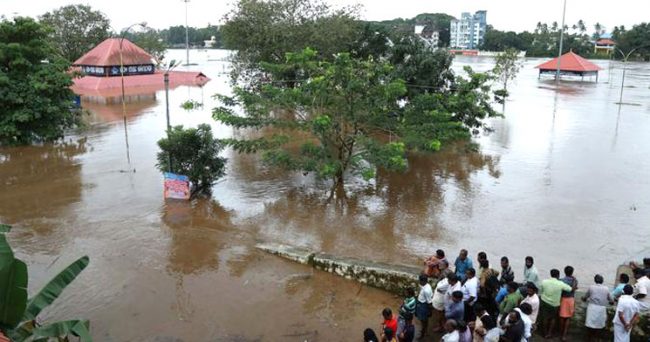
(563, 177)
(39, 186)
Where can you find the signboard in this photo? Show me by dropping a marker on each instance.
(176, 186)
(132, 70)
(93, 70)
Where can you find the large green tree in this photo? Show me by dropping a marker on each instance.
(263, 31)
(76, 29)
(35, 95)
(349, 115)
(638, 37)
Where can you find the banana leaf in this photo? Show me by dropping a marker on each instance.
(64, 328)
(4, 228)
(6, 254)
(13, 293)
(13, 286)
(53, 289)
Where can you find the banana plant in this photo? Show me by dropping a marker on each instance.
(18, 313)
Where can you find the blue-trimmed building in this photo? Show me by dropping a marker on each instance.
(469, 31)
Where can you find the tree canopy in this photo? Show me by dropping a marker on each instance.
(350, 115)
(35, 100)
(76, 29)
(263, 31)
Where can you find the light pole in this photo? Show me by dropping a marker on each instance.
(625, 57)
(172, 64)
(559, 53)
(187, 36)
(126, 135)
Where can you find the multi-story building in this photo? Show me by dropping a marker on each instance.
(469, 31)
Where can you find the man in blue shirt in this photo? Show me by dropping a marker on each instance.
(463, 263)
(456, 308)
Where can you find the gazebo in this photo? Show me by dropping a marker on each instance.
(102, 75)
(571, 64)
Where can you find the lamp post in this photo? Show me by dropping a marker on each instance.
(172, 64)
(126, 135)
(559, 53)
(625, 57)
(187, 36)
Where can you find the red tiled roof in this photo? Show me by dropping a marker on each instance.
(136, 84)
(570, 62)
(107, 53)
(605, 41)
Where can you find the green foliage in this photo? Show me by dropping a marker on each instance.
(65, 328)
(636, 38)
(18, 315)
(36, 99)
(150, 40)
(191, 105)
(194, 153)
(423, 70)
(263, 31)
(432, 21)
(507, 66)
(53, 289)
(542, 42)
(76, 29)
(174, 36)
(353, 115)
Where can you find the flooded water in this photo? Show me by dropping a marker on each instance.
(564, 177)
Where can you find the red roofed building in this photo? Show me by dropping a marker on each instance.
(604, 45)
(570, 64)
(102, 75)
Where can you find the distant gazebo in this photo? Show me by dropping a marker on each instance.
(102, 75)
(571, 64)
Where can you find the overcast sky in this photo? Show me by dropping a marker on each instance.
(517, 15)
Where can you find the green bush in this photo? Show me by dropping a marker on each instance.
(193, 152)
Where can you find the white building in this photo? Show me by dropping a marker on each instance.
(469, 31)
(428, 35)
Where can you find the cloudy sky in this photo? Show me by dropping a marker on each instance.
(514, 15)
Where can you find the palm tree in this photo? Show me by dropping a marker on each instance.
(582, 27)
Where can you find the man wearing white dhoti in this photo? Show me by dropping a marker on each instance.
(627, 313)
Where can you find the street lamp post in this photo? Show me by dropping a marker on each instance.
(625, 57)
(559, 54)
(171, 66)
(187, 36)
(126, 135)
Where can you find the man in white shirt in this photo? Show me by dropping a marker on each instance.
(627, 312)
(452, 334)
(524, 311)
(423, 305)
(642, 289)
(533, 300)
(470, 293)
(453, 286)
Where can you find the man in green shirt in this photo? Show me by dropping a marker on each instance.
(511, 301)
(550, 295)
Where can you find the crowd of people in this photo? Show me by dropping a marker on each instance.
(469, 304)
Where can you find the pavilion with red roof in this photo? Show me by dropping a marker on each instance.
(571, 64)
(103, 66)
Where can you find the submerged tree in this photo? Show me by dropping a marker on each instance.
(76, 29)
(349, 116)
(35, 96)
(507, 67)
(193, 152)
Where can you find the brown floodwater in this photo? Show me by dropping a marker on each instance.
(565, 177)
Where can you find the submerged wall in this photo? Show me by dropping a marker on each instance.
(395, 278)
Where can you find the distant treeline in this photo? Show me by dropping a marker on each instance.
(544, 40)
